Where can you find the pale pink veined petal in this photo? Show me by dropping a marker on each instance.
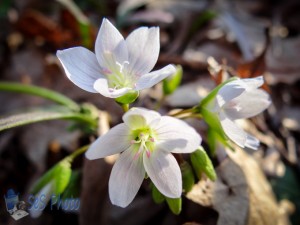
(230, 91)
(143, 49)
(110, 46)
(101, 86)
(254, 83)
(126, 178)
(150, 79)
(247, 105)
(81, 67)
(138, 117)
(164, 172)
(114, 141)
(252, 142)
(176, 136)
(236, 134)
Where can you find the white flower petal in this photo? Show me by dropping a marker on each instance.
(110, 46)
(230, 91)
(126, 178)
(139, 117)
(164, 172)
(101, 86)
(254, 83)
(114, 141)
(236, 134)
(150, 79)
(143, 49)
(81, 67)
(252, 142)
(176, 136)
(247, 105)
(44, 194)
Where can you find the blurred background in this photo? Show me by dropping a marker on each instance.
(246, 37)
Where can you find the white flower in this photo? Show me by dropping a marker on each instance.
(118, 66)
(147, 140)
(240, 99)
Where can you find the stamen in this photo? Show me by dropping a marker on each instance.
(148, 153)
(106, 71)
(135, 142)
(151, 139)
(136, 156)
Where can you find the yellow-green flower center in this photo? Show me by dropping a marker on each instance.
(143, 140)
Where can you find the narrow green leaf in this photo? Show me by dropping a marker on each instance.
(171, 83)
(41, 92)
(202, 164)
(175, 205)
(44, 114)
(188, 179)
(156, 195)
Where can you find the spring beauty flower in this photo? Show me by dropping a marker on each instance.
(239, 99)
(118, 66)
(146, 140)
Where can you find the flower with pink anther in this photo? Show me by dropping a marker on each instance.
(146, 140)
(118, 66)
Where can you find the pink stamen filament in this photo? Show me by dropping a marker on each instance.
(143, 146)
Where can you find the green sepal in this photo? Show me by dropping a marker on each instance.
(73, 188)
(202, 164)
(128, 98)
(188, 178)
(214, 122)
(59, 174)
(175, 205)
(158, 197)
(171, 83)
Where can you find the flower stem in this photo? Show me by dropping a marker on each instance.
(183, 111)
(78, 152)
(41, 92)
(125, 107)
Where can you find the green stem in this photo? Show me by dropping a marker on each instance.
(78, 152)
(41, 92)
(81, 118)
(183, 111)
(125, 107)
(15, 120)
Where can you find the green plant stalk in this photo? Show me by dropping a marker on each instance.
(125, 107)
(68, 116)
(78, 152)
(184, 111)
(41, 92)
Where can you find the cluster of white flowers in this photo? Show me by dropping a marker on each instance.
(146, 139)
